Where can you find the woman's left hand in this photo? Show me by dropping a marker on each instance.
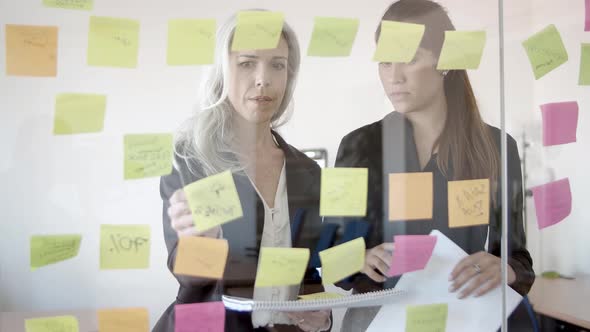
(479, 273)
(311, 321)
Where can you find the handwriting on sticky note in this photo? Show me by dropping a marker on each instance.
(427, 318)
(584, 78)
(50, 249)
(281, 266)
(31, 50)
(412, 253)
(201, 257)
(344, 192)
(469, 202)
(191, 42)
(320, 296)
(560, 122)
(553, 202)
(113, 42)
(398, 41)
(147, 155)
(200, 317)
(70, 4)
(123, 320)
(342, 260)
(257, 30)
(52, 324)
(462, 50)
(332, 36)
(545, 50)
(124, 246)
(410, 196)
(79, 113)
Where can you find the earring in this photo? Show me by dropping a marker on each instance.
(444, 73)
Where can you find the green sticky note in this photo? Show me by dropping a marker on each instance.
(426, 318)
(545, 50)
(332, 36)
(147, 155)
(124, 247)
(281, 266)
(52, 324)
(398, 41)
(213, 200)
(70, 4)
(257, 30)
(113, 42)
(50, 249)
(462, 50)
(344, 192)
(342, 260)
(191, 42)
(77, 113)
(585, 65)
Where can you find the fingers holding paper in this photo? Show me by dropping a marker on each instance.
(377, 261)
(477, 274)
(311, 321)
(181, 218)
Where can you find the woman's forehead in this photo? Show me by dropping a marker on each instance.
(280, 52)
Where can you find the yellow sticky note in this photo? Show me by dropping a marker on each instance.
(281, 266)
(320, 296)
(342, 260)
(410, 196)
(123, 320)
(79, 113)
(214, 200)
(585, 65)
(124, 247)
(426, 318)
(147, 155)
(332, 36)
(469, 202)
(462, 50)
(31, 50)
(398, 41)
(70, 4)
(50, 249)
(545, 50)
(191, 41)
(113, 42)
(344, 192)
(52, 324)
(201, 257)
(257, 30)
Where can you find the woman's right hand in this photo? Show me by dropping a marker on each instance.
(181, 218)
(378, 259)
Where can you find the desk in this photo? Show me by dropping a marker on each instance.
(566, 300)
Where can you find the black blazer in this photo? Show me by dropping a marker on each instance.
(244, 235)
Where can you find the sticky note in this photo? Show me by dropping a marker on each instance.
(124, 246)
(201, 257)
(410, 196)
(123, 320)
(257, 30)
(214, 200)
(560, 122)
(70, 4)
(584, 78)
(342, 260)
(469, 202)
(77, 113)
(52, 324)
(412, 253)
(147, 155)
(31, 50)
(320, 296)
(427, 318)
(587, 20)
(545, 50)
(50, 249)
(200, 317)
(281, 266)
(553, 202)
(462, 50)
(398, 41)
(332, 36)
(191, 42)
(344, 191)
(113, 42)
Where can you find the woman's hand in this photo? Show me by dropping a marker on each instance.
(479, 273)
(378, 258)
(311, 321)
(181, 218)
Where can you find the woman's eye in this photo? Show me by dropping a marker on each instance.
(385, 64)
(278, 66)
(246, 64)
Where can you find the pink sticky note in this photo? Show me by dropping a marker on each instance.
(553, 202)
(411, 253)
(200, 317)
(587, 25)
(560, 121)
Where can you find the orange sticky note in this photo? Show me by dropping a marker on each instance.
(201, 257)
(31, 50)
(469, 202)
(123, 320)
(410, 196)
